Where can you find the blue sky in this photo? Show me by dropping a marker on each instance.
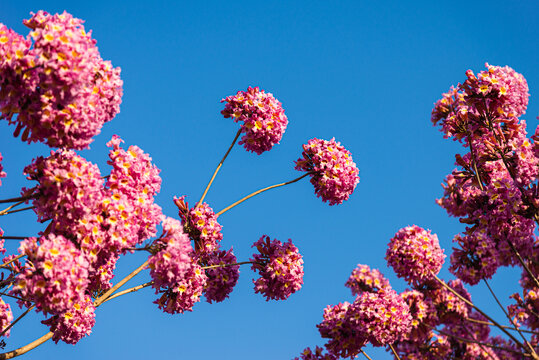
(366, 73)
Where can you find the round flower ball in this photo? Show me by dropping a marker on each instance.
(333, 172)
(280, 267)
(415, 254)
(264, 121)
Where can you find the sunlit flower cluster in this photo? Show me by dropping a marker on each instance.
(176, 275)
(55, 276)
(333, 172)
(72, 325)
(365, 279)
(222, 277)
(264, 121)
(6, 317)
(415, 254)
(60, 89)
(280, 267)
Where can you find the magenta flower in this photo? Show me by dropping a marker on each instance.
(6, 317)
(74, 324)
(424, 316)
(415, 254)
(221, 280)
(365, 279)
(201, 224)
(67, 91)
(449, 307)
(55, 276)
(175, 273)
(333, 172)
(69, 187)
(280, 267)
(317, 354)
(264, 121)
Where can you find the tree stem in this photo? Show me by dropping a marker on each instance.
(218, 168)
(258, 192)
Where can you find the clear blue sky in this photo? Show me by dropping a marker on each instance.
(363, 72)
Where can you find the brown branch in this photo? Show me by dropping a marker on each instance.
(218, 168)
(258, 192)
(16, 211)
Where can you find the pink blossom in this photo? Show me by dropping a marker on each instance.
(6, 317)
(423, 313)
(317, 354)
(264, 121)
(67, 91)
(221, 280)
(333, 172)
(201, 224)
(415, 254)
(175, 273)
(280, 267)
(449, 307)
(55, 276)
(72, 325)
(365, 279)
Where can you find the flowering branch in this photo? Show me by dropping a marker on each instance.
(12, 260)
(482, 313)
(218, 168)
(4, 212)
(258, 192)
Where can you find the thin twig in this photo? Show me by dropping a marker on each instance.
(16, 199)
(12, 260)
(130, 290)
(258, 192)
(10, 207)
(225, 265)
(479, 310)
(24, 349)
(394, 352)
(478, 342)
(14, 237)
(18, 210)
(218, 168)
(504, 326)
(365, 354)
(506, 314)
(104, 297)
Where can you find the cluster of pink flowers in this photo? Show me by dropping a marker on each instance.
(264, 121)
(55, 276)
(280, 267)
(379, 318)
(317, 354)
(176, 275)
(201, 224)
(333, 172)
(221, 280)
(74, 324)
(415, 254)
(6, 317)
(365, 279)
(60, 89)
(69, 186)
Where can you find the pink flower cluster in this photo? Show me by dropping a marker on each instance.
(264, 121)
(494, 189)
(55, 276)
(74, 324)
(280, 267)
(365, 279)
(317, 354)
(176, 275)
(201, 224)
(221, 280)
(415, 254)
(60, 90)
(333, 172)
(6, 317)
(69, 186)
(103, 220)
(380, 318)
